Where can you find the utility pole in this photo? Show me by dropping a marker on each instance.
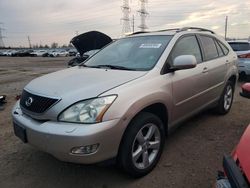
(29, 42)
(143, 13)
(125, 19)
(226, 27)
(1, 37)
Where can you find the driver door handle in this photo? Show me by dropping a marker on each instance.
(205, 70)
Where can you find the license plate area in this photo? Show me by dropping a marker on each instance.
(20, 132)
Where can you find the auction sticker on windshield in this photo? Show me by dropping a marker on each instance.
(150, 46)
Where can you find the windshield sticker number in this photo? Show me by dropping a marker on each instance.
(150, 46)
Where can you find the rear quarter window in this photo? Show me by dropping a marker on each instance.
(220, 52)
(223, 47)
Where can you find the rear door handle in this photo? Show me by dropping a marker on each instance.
(205, 70)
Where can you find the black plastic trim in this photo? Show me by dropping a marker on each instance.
(233, 173)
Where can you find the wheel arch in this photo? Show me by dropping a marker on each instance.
(233, 78)
(159, 109)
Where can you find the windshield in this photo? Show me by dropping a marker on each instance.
(240, 46)
(133, 53)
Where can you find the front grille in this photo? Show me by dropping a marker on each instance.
(35, 103)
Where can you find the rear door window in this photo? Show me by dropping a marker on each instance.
(209, 47)
(187, 45)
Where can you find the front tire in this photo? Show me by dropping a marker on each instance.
(142, 145)
(226, 99)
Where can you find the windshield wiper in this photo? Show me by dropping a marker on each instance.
(82, 65)
(112, 67)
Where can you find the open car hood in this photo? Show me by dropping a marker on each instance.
(90, 41)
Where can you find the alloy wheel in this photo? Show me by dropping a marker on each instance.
(228, 97)
(146, 146)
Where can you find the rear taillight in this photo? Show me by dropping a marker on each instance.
(244, 55)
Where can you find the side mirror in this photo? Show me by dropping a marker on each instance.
(184, 62)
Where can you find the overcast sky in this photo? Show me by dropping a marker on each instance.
(47, 21)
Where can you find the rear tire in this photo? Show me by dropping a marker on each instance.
(226, 99)
(142, 145)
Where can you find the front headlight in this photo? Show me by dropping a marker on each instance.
(88, 111)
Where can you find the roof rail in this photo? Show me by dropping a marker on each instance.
(196, 28)
(141, 32)
(138, 32)
(174, 29)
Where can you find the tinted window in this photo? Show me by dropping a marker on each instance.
(136, 53)
(224, 48)
(210, 50)
(187, 46)
(240, 46)
(220, 52)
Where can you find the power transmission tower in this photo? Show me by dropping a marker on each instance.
(1, 37)
(125, 19)
(143, 13)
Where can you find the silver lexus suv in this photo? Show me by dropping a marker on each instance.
(122, 102)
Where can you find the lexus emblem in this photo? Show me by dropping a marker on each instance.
(29, 101)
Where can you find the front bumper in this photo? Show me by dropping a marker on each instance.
(234, 177)
(58, 138)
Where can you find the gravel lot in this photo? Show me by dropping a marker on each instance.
(192, 155)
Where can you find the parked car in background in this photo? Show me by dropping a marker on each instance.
(11, 52)
(72, 52)
(80, 59)
(242, 48)
(49, 53)
(23, 53)
(122, 102)
(38, 53)
(60, 53)
(87, 45)
(245, 90)
(4, 52)
(236, 166)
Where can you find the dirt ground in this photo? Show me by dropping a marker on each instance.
(191, 157)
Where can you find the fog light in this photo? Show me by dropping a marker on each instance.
(84, 150)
